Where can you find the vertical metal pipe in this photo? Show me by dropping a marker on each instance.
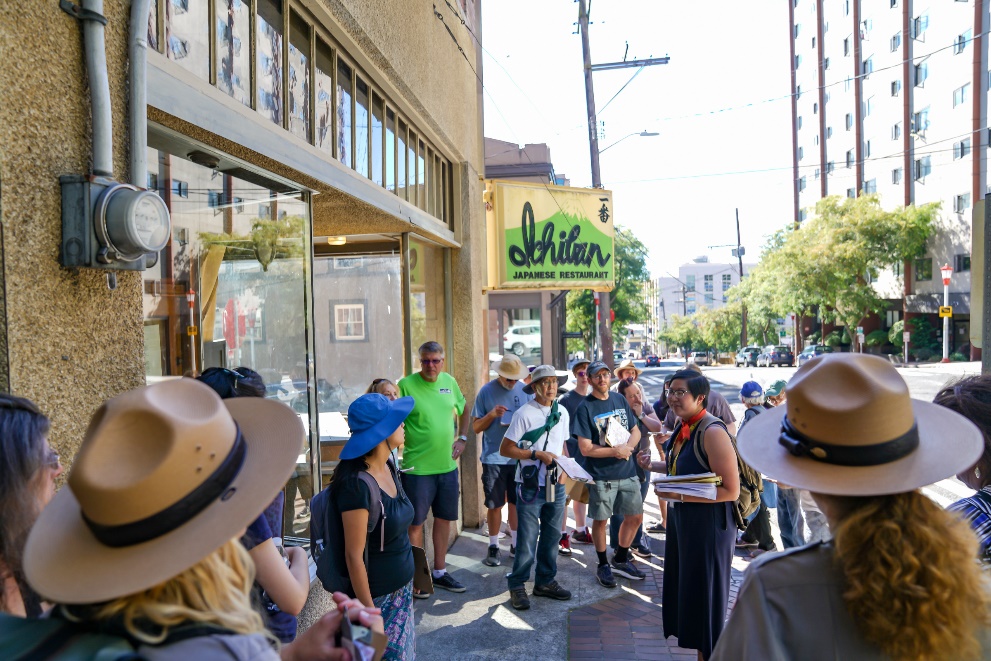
(138, 89)
(99, 87)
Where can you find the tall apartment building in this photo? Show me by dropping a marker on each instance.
(889, 97)
(700, 284)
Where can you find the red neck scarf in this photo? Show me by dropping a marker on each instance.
(686, 425)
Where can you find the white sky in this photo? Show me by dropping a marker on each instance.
(724, 54)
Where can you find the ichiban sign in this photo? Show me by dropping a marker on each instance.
(549, 237)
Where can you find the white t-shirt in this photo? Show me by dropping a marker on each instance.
(532, 416)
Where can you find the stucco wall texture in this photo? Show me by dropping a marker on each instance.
(72, 342)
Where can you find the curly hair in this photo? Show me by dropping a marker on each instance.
(215, 591)
(912, 582)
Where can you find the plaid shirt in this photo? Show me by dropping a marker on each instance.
(976, 511)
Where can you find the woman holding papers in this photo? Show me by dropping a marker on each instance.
(701, 532)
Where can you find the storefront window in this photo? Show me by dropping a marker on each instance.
(427, 302)
(521, 334)
(243, 249)
(233, 49)
(325, 98)
(187, 36)
(358, 333)
(299, 77)
(269, 66)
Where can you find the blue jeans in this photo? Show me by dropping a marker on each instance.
(790, 518)
(537, 517)
(616, 520)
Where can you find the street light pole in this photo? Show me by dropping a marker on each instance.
(947, 271)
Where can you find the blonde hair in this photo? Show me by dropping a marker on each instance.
(912, 582)
(215, 591)
(377, 385)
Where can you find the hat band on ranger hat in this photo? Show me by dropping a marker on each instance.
(801, 445)
(180, 512)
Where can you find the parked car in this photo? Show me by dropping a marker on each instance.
(747, 356)
(651, 361)
(813, 351)
(778, 355)
(523, 339)
(698, 357)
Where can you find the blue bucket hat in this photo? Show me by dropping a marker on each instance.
(372, 418)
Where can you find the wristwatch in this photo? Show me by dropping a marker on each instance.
(533, 455)
(462, 437)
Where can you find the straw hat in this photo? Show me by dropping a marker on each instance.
(850, 428)
(510, 367)
(626, 365)
(166, 475)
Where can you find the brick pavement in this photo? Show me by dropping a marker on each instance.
(629, 625)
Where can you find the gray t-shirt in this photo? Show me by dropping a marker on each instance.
(489, 396)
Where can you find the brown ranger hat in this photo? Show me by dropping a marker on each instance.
(850, 428)
(165, 476)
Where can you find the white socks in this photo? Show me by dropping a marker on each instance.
(493, 540)
(439, 572)
(513, 534)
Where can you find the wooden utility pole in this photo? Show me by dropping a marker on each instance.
(603, 331)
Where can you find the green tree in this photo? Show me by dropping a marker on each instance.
(630, 265)
(720, 328)
(682, 332)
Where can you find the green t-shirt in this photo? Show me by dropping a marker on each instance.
(432, 425)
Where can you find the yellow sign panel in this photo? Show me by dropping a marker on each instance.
(549, 237)
(191, 330)
(945, 311)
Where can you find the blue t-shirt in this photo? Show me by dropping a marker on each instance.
(283, 625)
(491, 395)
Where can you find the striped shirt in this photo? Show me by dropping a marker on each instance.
(976, 511)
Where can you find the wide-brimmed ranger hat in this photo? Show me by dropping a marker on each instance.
(372, 418)
(542, 372)
(166, 475)
(626, 365)
(850, 428)
(510, 367)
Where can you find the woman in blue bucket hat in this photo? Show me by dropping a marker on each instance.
(382, 575)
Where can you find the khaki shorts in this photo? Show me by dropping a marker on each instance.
(608, 497)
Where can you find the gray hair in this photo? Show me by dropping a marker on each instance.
(752, 401)
(431, 347)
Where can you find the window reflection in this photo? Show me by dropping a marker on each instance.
(361, 127)
(299, 78)
(427, 309)
(401, 161)
(344, 95)
(377, 112)
(390, 150)
(153, 25)
(233, 52)
(323, 136)
(242, 248)
(269, 68)
(187, 35)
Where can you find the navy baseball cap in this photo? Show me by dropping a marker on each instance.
(596, 367)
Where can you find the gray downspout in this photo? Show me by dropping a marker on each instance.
(99, 86)
(137, 84)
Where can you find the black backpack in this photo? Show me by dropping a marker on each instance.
(324, 517)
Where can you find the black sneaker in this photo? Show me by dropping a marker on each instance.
(642, 551)
(604, 576)
(512, 550)
(521, 602)
(551, 590)
(656, 528)
(627, 570)
(449, 583)
(493, 558)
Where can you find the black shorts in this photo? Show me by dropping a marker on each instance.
(499, 485)
(439, 493)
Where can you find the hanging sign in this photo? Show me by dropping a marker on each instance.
(549, 237)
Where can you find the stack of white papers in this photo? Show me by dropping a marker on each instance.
(702, 485)
(616, 434)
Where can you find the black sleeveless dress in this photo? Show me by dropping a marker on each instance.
(698, 556)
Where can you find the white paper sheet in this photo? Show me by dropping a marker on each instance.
(573, 470)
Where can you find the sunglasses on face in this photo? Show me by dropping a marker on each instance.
(431, 361)
(581, 372)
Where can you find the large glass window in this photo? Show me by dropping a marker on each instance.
(323, 137)
(428, 311)
(401, 161)
(243, 249)
(390, 150)
(187, 35)
(299, 77)
(378, 112)
(421, 177)
(514, 330)
(358, 337)
(361, 127)
(233, 49)
(269, 67)
(411, 178)
(344, 113)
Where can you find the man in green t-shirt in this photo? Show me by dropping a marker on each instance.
(430, 476)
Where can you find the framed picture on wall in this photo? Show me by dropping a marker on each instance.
(348, 321)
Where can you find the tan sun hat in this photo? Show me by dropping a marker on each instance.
(163, 479)
(626, 365)
(850, 428)
(510, 367)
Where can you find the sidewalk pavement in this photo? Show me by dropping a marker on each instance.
(598, 622)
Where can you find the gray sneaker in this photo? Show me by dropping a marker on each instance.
(627, 570)
(604, 576)
(494, 558)
(551, 590)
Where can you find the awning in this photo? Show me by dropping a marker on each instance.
(930, 303)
